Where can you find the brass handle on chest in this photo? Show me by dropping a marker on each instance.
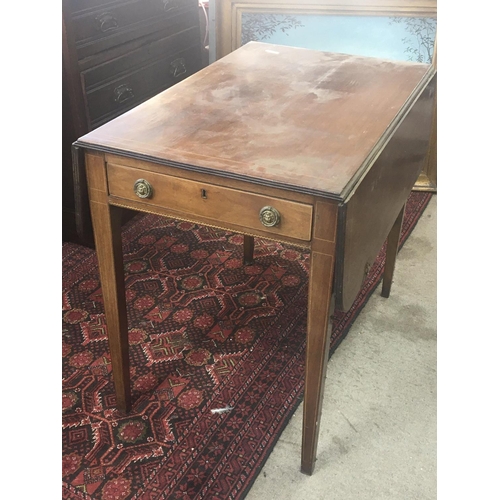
(106, 22)
(143, 189)
(123, 93)
(178, 67)
(269, 216)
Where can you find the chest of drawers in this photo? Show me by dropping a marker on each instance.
(117, 54)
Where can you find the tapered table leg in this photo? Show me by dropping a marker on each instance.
(318, 333)
(391, 253)
(107, 233)
(248, 245)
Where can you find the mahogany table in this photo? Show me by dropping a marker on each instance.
(315, 149)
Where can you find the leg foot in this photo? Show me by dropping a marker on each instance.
(318, 343)
(248, 246)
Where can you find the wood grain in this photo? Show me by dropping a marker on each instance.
(214, 120)
(106, 221)
(212, 201)
(318, 333)
(374, 204)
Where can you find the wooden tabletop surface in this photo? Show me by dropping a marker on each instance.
(306, 120)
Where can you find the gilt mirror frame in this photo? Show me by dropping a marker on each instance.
(228, 24)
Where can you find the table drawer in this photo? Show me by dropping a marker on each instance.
(221, 204)
(137, 85)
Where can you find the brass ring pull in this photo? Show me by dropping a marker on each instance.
(178, 67)
(269, 216)
(106, 22)
(123, 93)
(143, 189)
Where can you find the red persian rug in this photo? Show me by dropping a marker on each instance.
(205, 332)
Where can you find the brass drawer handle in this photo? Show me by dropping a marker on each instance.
(143, 189)
(123, 93)
(178, 67)
(269, 216)
(106, 22)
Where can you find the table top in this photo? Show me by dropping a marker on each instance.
(304, 120)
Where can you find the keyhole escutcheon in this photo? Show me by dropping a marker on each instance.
(204, 194)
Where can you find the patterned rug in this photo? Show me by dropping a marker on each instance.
(205, 332)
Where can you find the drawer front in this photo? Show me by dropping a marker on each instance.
(110, 70)
(120, 22)
(82, 6)
(114, 98)
(224, 205)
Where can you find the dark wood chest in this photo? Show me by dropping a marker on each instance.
(117, 54)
